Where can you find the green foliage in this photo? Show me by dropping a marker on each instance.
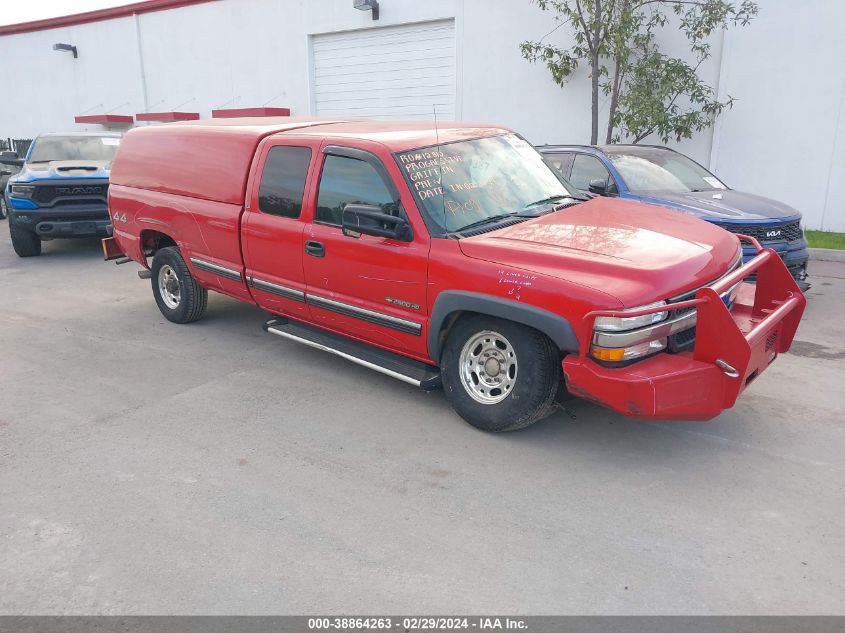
(649, 91)
(825, 239)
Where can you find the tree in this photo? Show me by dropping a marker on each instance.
(649, 91)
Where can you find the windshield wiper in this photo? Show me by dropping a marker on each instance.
(525, 213)
(490, 220)
(503, 216)
(548, 200)
(555, 198)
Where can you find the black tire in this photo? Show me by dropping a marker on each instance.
(4, 209)
(192, 298)
(26, 243)
(535, 383)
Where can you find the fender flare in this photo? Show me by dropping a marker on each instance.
(556, 327)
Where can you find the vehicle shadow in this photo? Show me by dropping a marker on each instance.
(583, 428)
(75, 249)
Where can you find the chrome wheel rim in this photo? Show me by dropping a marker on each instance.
(488, 367)
(168, 286)
(3, 209)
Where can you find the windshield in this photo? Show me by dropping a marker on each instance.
(49, 148)
(481, 179)
(653, 170)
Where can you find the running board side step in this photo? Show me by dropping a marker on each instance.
(426, 377)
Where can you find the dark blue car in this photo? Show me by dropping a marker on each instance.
(661, 176)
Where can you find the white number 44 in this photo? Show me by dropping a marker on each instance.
(119, 217)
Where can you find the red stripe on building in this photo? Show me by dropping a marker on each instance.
(105, 119)
(231, 113)
(111, 13)
(167, 116)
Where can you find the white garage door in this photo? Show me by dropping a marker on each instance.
(397, 72)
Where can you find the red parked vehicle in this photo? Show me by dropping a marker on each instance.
(450, 256)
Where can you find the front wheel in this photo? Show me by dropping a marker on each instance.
(499, 375)
(178, 295)
(26, 243)
(4, 210)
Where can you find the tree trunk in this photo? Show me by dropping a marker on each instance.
(614, 101)
(594, 77)
(594, 133)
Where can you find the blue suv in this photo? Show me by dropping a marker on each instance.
(664, 177)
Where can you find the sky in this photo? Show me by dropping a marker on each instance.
(15, 11)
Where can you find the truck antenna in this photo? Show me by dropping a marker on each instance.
(439, 165)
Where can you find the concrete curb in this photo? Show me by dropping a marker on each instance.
(827, 255)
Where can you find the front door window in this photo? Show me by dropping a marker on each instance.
(349, 181)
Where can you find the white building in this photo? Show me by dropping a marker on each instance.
(784, 138)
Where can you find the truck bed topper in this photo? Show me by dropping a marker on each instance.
(206, 159)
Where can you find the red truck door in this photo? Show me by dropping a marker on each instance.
(272, 225)
(371, 288)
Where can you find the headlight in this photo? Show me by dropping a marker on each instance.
(637, 344)
(23, 191)
(620, 324)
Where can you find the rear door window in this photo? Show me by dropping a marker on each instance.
(283, 181)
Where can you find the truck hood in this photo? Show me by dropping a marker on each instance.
(63, 169)
(634, 252)
(725, 204)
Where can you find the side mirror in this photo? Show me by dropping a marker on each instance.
(598, 186)
(366, 219)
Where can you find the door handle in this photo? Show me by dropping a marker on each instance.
(315, 249)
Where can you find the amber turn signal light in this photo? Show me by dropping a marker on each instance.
(608, 354)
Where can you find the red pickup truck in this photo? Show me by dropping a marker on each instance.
(453, 256)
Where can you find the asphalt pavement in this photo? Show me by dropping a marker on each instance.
(153, 468)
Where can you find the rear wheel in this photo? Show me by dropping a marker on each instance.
(4, 210)
(26, 243)
(178, 295)
(499, 375)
